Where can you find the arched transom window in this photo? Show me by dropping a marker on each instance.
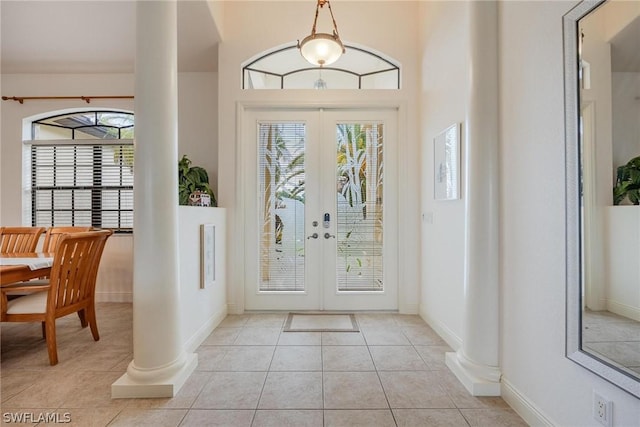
(285, 68)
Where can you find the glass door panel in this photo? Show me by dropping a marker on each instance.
(281, 198)
(359, 207)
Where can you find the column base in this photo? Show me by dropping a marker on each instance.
(128, 387)
(479, 380)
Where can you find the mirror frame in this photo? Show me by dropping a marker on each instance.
(574, 350)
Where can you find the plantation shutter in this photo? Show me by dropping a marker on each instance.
(82, 182)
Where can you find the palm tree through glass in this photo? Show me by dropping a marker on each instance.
(359, 208)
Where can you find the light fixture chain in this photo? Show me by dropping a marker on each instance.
(335, 26)
(315, 20)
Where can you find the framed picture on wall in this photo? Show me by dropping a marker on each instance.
(446, 164)
(207, 255)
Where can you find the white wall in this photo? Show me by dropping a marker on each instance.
(202, 308)
(444, 87)
(533, 212)
(626, 117)
(621, 257)
(258, 26)
(197, 137)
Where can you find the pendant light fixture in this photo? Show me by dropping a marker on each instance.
(321, 48)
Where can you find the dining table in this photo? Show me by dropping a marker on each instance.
(20, 267)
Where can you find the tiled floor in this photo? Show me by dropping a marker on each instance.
(613, 337)
(250, 373)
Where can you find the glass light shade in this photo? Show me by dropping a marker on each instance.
(321, 49)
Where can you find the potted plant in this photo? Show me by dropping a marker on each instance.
(628, 182)
(193, 185)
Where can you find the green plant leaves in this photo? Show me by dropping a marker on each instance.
(190, 179)
(628, 182)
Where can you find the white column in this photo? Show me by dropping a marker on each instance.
(476, 363)
(160, 365)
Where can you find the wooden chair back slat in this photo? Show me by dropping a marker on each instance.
(19, 239)
(75, 267)
(53, 234)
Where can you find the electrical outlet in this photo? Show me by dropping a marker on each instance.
(602, 410)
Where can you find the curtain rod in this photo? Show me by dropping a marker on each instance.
(86, 99)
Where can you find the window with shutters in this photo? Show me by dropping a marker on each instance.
(81, 170)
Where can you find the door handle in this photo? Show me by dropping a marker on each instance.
(327, 236)
(313, 236)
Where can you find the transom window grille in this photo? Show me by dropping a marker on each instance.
(82, 170)
(285, 68)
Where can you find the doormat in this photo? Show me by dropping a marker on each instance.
(314, 322)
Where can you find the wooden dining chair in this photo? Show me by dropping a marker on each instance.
(70, 288)
(19, 239)
(52, 235)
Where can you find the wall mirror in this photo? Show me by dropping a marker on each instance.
(602, 119)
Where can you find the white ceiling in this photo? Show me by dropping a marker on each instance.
(95, 36)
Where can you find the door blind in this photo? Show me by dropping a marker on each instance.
(281, 199)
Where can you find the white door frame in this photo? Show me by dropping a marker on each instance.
(242, 251)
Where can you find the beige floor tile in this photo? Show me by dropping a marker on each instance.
(218, 417)
(210, 357)
(377, 320)
(356, 418)
(152, 418)
(422, 335)
(246, 358)
(292, 390)
(288, 418)
(93, 390)
(297, 358)
(222, 336)
(342, 338)
(461, 397)
(234, 321)
(225, 389)
(396, 358)
(183, 400)
(231, 390)
(300, 338)
(353, 390)
(415, 390)
(93, 417)
(346, 358)
(409, 320)
(13, 382)
(429, 417)
(257, 336)
(498, 417)
(434, 356)
(384, 336)
(49, 391)
(266, 320)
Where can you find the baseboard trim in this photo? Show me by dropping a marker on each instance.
(523, 407)
(192, 344)
(445, 333)
(624, 310)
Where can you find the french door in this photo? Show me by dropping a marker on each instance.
(320, 209)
